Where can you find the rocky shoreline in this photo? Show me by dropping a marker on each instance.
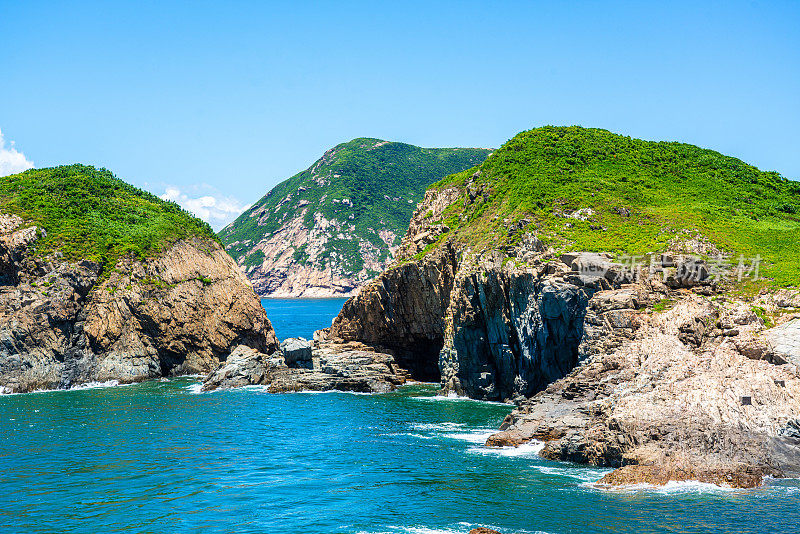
(658, 370)
(661, 373)
(682, 399)
(665, 378)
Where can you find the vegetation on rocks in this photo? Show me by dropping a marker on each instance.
(88, 213)
(590, 189)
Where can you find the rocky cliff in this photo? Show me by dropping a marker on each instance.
(66, 321)
(331, 228)
(696, 392)
(661, 363)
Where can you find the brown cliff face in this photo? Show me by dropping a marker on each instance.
(63, 324)
(404, 308)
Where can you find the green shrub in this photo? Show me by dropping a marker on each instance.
(88, 213)
(669, 191)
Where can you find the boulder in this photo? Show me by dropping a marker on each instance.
(244, 366)
(62, 324)
(296, 351)
(784, 341)
(348, 367)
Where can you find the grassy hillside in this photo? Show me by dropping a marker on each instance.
(366, 183)
(645, 196)
(88, 213)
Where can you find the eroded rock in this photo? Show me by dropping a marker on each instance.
(340, 367)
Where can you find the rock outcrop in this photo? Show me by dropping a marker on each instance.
(676, 400)
(404, 311)
(509, 333)
(64, 323)
(296, 351)
(349, 367)
(784, 343)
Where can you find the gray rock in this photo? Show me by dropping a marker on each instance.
(403, 311)
(348, 367)
(296, 351)
(244, 366)
(791, 430)
(784, 341)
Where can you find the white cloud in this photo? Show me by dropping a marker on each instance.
(217, 210)
(12, 161)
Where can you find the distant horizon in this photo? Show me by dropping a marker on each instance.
(212, 105)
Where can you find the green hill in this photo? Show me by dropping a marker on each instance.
(88, 213)
(364, 191)
(638, 197)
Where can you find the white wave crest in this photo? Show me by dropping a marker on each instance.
(97, 385)
(670, 488)
(326, 392)
(452, 397)
(437, 427)
(454, 431)
(76, 387)
(463, 528)
(195, 389)
(531, 449)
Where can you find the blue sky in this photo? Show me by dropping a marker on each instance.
(217, 102)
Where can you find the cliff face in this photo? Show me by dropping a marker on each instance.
(480, 325)
(697, 392)
(333, 227)
(297, 259)
(510, 334)
(403, 310)
(66, 323)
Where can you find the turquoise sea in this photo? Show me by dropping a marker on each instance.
(161, 457)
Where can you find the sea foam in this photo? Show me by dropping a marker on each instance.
(452, 397)
(463, 528)
(194, 388)
(531, 449)
(670, 488)
(77, 387)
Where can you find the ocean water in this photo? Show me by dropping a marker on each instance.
(300, 317)
(161, 457)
